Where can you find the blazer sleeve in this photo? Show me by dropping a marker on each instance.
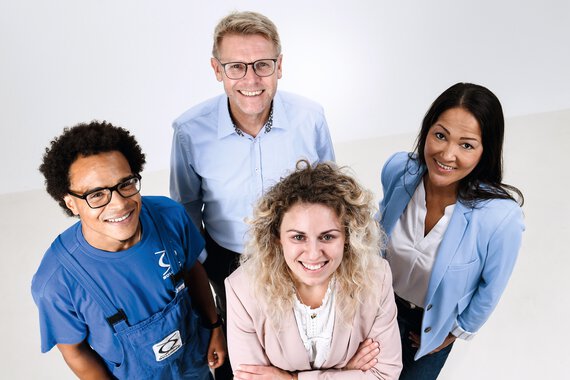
(385, 331)
(503, 249)
(244, 346)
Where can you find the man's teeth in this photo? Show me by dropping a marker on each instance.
(251, 93)
(444, 166)
(119, 219)
(314, 266)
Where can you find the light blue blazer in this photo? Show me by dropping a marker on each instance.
(473, 263)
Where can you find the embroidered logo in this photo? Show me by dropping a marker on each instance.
(167, 346)
(163, 264)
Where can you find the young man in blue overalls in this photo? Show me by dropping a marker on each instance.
(121, 292)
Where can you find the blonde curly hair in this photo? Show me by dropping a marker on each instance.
(360, 268)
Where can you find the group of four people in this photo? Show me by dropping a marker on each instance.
(324, 288)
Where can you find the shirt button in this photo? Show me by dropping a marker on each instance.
(429, 306)
(428, 329)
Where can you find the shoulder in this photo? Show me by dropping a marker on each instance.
(206, 109)
(384, 274)
(171, 212)
(166, 211)
(496, 211)
(51, 277)
(294, 102)
(161, 203)
(240, 284)
(238, 281)
(398, 165)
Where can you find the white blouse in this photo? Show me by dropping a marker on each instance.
(411, 254)
(316, 326)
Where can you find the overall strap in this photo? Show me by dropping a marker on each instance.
(177, 276)
(70, 263)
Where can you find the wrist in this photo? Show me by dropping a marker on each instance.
(211, 326)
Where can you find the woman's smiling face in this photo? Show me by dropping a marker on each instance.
(453, 148)
(312, 238)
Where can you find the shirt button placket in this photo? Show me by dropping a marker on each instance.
(256, 146)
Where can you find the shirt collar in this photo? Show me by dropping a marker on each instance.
(227, 127)
(266, 127)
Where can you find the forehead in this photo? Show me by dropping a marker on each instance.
(98, 170)
(302, 212)
(459, 121)
(236, 47)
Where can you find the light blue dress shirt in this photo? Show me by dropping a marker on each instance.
(215, 168)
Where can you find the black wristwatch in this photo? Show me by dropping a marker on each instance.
(218, 323)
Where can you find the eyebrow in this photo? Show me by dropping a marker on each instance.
(461, 138)
(324, 232)
(106, 187)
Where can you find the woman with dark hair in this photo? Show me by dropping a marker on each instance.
(454, 227)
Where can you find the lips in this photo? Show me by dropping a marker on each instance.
(119, 219)
(250, 93)
(313, 267)
(444, 167)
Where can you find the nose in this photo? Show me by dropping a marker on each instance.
(449, 152)
(250, 73)
(313, 249)
(116, 199)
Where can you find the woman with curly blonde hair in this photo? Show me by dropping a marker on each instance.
(312, 297)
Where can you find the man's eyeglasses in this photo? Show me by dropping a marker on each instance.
(237, 70)
(100, 197)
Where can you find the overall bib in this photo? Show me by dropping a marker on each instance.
(171, 344)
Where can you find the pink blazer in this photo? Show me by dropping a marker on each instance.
(253, 340)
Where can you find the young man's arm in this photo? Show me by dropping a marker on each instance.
(202, 297)
(83, 361)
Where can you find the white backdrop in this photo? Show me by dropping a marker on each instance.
(374, 65)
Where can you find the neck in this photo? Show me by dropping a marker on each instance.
(311, 296)
(250, 124)
(440, 195)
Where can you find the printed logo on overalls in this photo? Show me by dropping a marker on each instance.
(167, 346)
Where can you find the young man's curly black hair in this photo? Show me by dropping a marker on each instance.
(83, 140)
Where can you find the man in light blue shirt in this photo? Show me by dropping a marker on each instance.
(228, 150)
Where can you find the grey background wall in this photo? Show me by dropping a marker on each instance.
(374, 65)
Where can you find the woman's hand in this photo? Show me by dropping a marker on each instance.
(446, 342)
(217, 351)
(261, 372)
(415, 338)
(365, 356)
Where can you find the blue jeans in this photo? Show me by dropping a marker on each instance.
(428, 366)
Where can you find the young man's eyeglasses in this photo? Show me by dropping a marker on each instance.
(238, 70)
(100, 197)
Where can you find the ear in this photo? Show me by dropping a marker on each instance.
(71, 205)
(217, 68)
(279, 61)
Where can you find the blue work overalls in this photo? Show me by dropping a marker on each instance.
(171, 344)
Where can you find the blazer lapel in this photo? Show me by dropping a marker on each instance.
(340, 342)
(292, 347)
(449, 246)
(401, 195)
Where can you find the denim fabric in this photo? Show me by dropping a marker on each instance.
(427, 367)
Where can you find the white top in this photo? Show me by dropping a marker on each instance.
(316, 327)
(411, 254)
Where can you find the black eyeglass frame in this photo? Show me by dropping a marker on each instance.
(111, 189)
(252, 64)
